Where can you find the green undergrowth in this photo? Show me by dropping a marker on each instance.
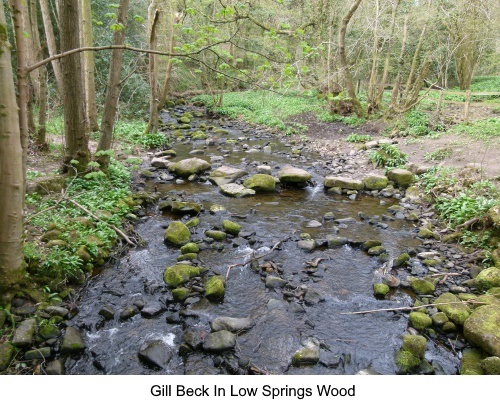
(388, 156)
(265, 108)
(484, 130)
(459, 198)
(64, 243)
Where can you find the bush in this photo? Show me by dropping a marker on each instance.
(388, 156)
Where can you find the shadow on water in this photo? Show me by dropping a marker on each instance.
(344, 279)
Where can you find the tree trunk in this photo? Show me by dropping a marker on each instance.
(22, 82)
(113, 87)
(51, 43)
(401, 61)
(76, 148)
(348, 81)
(372, 83)
(153, 15)
(88, 59)
(168, 74)
(11, 173)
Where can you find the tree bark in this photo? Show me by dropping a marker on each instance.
(22, 82)
(51, 42)
(88, 59)
(401, 61)
(348, 81)
(113, 87)
(76, 148)
(11, 172)
(153, 15)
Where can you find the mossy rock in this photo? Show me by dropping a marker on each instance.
(415, 344)
(375, 182)
(420, 321)
(471, 362)
(486, 299)
(187, 256)
(184, 120)
(343, 183)
(481, 329)
(491, 365)
(376, 250)
(403, 178)
(426, 233)
(53, 234)
(215, 287)
(439, 319)
(401, 259)
(294, 175)
(83, 254)
(370, 244)
(182, 207)
(48, 331)
(449, 327)
(193, 222)
(177, 234)
(7, 352)
(190, 248)
(216, 235)
(488, 278)
(260, 182)
(188, 167)
(306, 356)
(380, 289)
(454, 309)
(178, 274)
(231, 227)
(180, 294)
(422, 287)
(406, 361)
(72, 342)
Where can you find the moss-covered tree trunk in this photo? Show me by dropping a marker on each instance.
(11, 172)
(153, 15)
(76, 148)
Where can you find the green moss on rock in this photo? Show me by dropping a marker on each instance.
(491, 365)
(420, 321)
(481, 329)
(260, 182)
(180, 294)
(6, 354)
(375, 182)
(177, 234)
(193, 222)
(190, 248)
(488, 278)
(471, 362)
(178, 274)
(231, 227)
(455, 309)
(216, 235)
(422, 287)
(406, 361)
(415, 344)
(215, 287)
(380, 289)
(187, 256)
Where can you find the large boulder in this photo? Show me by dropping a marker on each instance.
(177, 234)
(188, 167)
(454, 308)
(481, 329)
(375, 182)
(178, 274)
(343, 182)
(235, 190)
(402, 178)
(294, 175)
(226, 175)
(260, 182)
(488, 278)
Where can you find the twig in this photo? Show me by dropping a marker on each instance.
(252, 258)
(315, 262)
(409, 308)
(467, 224)
(118, 231)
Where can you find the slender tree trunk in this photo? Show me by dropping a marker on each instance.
(76, 148)
(385, 74)
(113, 87)
(88, 58)
(153, 15)
(351, 91)
(51, 42)
(372, 83)
(11, 174)
(401, 62)
(41, 134)
(168, 74)
(22, 82)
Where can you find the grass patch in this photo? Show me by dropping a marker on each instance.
(388, 156)
(355, 138)
(265, 108)
(484, 130)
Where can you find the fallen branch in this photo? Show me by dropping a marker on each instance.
(315, 262)
(467, 224)
(252, 258)
(118, 231)
(408, 308)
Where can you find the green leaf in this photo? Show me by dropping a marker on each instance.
(116, 27)
(138, 18)
(111, 15)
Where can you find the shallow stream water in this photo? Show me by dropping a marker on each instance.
(349, 343)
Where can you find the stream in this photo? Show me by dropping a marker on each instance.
(284, 320)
